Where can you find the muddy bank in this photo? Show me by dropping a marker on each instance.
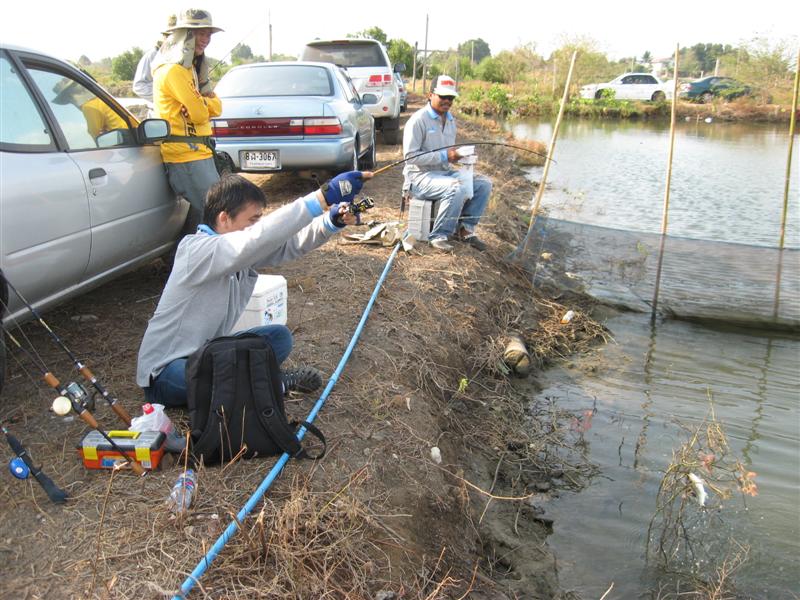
(377, 517)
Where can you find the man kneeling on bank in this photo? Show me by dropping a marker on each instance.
(214, 274)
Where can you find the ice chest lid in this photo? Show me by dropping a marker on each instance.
(266, 283)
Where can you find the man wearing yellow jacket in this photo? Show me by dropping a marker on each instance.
(183, 96)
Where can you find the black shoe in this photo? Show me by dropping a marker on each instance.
(304, 380)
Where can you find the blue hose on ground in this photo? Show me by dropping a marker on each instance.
(203, 565)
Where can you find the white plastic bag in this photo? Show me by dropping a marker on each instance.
(153, 418)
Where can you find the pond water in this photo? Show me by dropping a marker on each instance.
(654, 383)
(727, 185)
(727, 178)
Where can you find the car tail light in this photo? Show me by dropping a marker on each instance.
(387, 79)
(685, 87)
(322, 126)
(257, 127)
(375, 81)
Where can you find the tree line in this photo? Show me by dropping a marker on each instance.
(757, 62)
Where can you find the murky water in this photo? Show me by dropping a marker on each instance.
(727, 185)
(652, 383)
(727, 180)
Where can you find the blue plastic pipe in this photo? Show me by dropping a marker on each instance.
(203, 565)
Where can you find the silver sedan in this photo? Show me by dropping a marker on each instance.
(293, 116)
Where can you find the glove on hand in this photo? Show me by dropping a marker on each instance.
(342, 188)
(336, 216)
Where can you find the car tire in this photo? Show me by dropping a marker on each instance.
(369, 160)
(659, 97)
(706, 97)
(391, 131)
(598, 95)
(353, 164)
(223, 163)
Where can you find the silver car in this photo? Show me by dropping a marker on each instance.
(401, 85)
(83, 194)
(293, 116)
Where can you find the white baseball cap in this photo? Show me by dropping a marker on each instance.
(444, 85)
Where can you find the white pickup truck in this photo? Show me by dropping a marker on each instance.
(631, 86)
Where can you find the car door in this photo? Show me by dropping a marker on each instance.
(624, 88)
(132, 210)
(45, 237)
(364, 121)
(647, 86)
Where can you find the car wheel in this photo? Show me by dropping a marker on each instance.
(391, 136)
(223, 163)
(353, 165)
(369, 160)
(706, 97)
(598, 95)
(659, 97)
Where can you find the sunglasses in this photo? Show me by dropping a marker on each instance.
(448, 98)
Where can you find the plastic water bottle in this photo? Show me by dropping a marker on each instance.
(182, 494)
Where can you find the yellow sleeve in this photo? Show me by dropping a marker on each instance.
(94, 119)
(214, 106)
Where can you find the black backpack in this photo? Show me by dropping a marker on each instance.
(235, 399)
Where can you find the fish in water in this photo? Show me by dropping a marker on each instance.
(699, 489)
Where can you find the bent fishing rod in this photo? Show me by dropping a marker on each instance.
(55, 493)
(75, 405)
(402, 160)
(112, 401)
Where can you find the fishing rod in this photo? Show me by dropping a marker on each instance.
(82, 368)
(56, 494)
(74, 404)
(402, 160)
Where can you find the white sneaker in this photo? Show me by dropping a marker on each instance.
(441, 244)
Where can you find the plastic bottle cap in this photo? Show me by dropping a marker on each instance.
(147, 408)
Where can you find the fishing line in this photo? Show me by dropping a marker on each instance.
(402, 160)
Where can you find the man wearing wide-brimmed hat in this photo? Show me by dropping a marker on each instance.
(183, 95)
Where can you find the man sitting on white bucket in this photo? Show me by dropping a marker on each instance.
(214, 274)
(430, 175)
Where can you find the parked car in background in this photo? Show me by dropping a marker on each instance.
(83, 194)
(708, 88)
(630, 86)
(403, 92)
(293, 116)
(367, 64)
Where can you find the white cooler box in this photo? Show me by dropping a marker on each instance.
(421, 215)
(267, 305)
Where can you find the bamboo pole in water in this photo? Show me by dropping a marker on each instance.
(665, 214)
(550, 150)
(792, 124)
(787, 181)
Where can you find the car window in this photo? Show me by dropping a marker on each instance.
(647, 79)
(347, 54)
(82, 115)
(288, 80)
(629, 79)
(22, 122)
(347, 87)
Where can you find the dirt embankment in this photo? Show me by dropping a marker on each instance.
(377, 517)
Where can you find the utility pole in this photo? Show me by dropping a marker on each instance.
(716, 68)
(269, 20)
(425, 58)
(414, 69)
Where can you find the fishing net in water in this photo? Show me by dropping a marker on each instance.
(700, 279)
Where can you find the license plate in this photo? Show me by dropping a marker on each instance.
(260, 159)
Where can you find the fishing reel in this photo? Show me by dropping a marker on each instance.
(78, 393)
(359, 206)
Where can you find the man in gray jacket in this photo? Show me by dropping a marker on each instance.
(214, 274)
(430, 176)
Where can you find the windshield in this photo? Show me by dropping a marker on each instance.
(346, 54)
(278, 80)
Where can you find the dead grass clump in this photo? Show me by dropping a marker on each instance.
(688, 536)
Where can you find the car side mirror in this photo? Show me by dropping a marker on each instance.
(400, 68)
(369, 99)
(152, 130)
(112, 138)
